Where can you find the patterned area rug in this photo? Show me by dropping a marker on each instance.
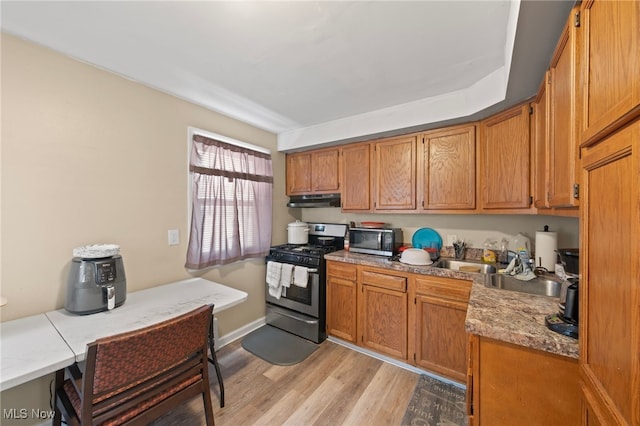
(436, 403)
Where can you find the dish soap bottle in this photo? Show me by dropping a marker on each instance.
(522, 246)
(489, 252)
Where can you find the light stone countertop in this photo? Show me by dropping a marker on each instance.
(503, 315)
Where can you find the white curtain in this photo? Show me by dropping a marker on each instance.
(232, 203)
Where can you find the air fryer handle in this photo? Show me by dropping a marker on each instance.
(111, 296)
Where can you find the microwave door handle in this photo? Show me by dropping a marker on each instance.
(379, 240)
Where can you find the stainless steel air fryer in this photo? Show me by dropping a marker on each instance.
(95, 285)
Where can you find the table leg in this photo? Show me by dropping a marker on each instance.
(214, 360)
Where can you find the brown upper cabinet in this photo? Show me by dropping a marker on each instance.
(356, 177)
(447, 169)
(539, 145)
(504, 161)
(541, 156)
(610, 64)
(379, 176)
(563, 144)
(395, 174)
(313, 172)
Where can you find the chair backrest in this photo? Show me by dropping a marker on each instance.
(127, 369)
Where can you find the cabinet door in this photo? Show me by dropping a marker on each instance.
(563, 146)
(313, 172)
(325, 171)
(440, 337)
(356, 177)
(341, 300)
(610, 66)
(524, 387)
(382, 309)
(448, 163)
(540, 147)
(395, 174)
(299, 173)
(609, 286)
(504, 160)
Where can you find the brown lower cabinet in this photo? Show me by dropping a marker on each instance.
(382, 312)
(513, 385)
(342, 288)
(417, 319)
(440, 309)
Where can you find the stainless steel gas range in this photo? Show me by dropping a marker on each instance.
(301, 308)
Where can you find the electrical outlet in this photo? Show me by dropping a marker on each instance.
(450, 239)
(173, 237)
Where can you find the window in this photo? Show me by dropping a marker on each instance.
(231, 201)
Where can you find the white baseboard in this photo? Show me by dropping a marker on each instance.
(238, 333)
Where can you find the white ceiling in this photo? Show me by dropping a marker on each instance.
(311, 71)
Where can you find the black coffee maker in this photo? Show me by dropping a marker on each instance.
(566, 320)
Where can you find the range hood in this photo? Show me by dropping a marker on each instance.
(316, 200)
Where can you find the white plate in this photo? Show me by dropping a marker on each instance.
(95, 251)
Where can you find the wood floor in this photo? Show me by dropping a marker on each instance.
(333, 386)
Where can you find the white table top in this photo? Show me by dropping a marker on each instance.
(143, 308)
(34, 346)
(31, 348)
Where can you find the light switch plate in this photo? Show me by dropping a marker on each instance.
(173, 237)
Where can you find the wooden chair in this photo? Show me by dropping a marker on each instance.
(134, 377)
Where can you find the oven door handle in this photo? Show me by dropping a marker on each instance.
(313, 271)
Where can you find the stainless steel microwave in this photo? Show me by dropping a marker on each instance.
(380, 241)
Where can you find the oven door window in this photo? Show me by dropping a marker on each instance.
(299, 294)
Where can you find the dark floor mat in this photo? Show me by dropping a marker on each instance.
(436, 403)
(277, 346)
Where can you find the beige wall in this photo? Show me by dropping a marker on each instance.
(91, 157)
(474, 229)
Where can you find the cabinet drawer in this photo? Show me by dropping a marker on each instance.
(342, 270)
(443, 287)
(391, 282)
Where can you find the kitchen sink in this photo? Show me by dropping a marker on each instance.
(540, 285)
(465, 266)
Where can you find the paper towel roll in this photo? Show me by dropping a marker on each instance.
(546, 246)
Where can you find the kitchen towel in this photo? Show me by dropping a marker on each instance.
(300, 276)
(546, 246)
(286, 276)
(274, 273)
